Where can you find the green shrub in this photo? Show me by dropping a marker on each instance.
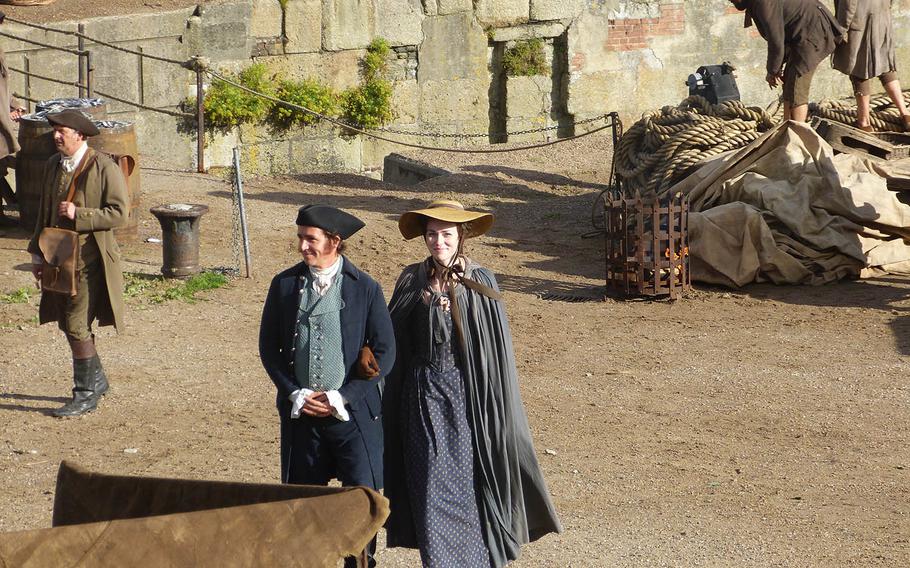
(307, 93)
(376, 61)
(368, 105)
(525, 59)
(227, 106)
(157, 289)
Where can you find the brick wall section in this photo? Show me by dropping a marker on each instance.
(634, 33)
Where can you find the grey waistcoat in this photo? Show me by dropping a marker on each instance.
(318, 354)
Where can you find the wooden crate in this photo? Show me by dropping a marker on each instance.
(647, 247)
(846, 139)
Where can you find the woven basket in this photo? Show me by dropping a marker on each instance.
(27, 2)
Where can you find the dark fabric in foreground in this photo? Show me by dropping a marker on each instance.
(110, 520)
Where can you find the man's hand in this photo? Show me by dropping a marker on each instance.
(774, 80)
(67, 209)
(16, 113)
(36, 271)
(317, 405)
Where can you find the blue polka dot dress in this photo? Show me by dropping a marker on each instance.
(439, 455)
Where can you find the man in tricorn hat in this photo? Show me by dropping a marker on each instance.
(326, 341)
(83, 191)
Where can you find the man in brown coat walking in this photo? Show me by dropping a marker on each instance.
(800, 34)
(8, 143)
(99, 205)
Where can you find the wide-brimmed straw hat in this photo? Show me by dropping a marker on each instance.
(413, 223)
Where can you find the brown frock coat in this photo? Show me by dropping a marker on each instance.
(800, 33)
(869, 51)
(8, 143)
(101, 201)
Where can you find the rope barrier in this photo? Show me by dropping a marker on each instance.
(87, 38)
(358, 130)
(178, 114)
(47, 45)
(51, 79)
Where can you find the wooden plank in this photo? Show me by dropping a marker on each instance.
(847, 139)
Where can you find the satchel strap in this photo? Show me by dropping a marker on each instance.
(87, 160)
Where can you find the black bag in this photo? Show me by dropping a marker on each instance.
(717, 83)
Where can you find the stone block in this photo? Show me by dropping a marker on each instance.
(542, 10)
(401, 170)
(266, 20)
(116, 72)
(347, 24)
(528, 97)
(445, 7)
(454, 47)
(462, 100)
(339, 70)
(398, 21)
(303, 26)
(136, 28)
(325, 151)
(405, 102)
(11, 45)
(223, 30)
(373, 153)
(162, 143)
(502, 12)
(528, 31)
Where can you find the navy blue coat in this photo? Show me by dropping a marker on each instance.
(364, 321)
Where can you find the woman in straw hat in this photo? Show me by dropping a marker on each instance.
(461, 474)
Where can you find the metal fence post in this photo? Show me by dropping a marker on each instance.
(83, 60)
(200, 121)
(239, 183)
(88, 76)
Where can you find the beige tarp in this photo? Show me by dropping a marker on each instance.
(786, 210)
(106, 520)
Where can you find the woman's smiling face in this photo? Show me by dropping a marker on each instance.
(441, 238)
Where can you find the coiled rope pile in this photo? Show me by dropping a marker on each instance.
(661, 147)
(884, 116)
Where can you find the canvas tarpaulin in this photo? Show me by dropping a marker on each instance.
(110, 520)
(785, 209)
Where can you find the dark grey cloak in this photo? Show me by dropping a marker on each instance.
(513, 500)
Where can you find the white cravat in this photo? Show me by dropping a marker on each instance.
(323, 277)
(69, 163)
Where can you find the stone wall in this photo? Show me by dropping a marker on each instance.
(602, 55)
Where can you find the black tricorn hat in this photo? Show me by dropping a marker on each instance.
(329, 219)
(75, 119)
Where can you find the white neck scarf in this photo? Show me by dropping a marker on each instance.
(323, 277)
(69, 163)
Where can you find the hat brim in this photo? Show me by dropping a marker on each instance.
(86, 126)
(412, 223)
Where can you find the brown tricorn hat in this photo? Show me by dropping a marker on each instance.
(413, 223)
(75, 119)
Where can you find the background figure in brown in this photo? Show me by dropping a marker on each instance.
(800, 34)
(8, 144)
(869, 53)
(99, 205)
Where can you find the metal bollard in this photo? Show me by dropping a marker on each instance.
(180, 238)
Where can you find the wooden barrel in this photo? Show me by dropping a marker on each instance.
(118, 139)
(36, 139)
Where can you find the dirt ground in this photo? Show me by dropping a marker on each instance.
(766, 426)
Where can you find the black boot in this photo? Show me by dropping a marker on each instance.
(101, 384)
(85, 398)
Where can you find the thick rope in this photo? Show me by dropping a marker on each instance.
(883, 115)
(658, 149)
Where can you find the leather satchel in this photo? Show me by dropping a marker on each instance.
(60, 250)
